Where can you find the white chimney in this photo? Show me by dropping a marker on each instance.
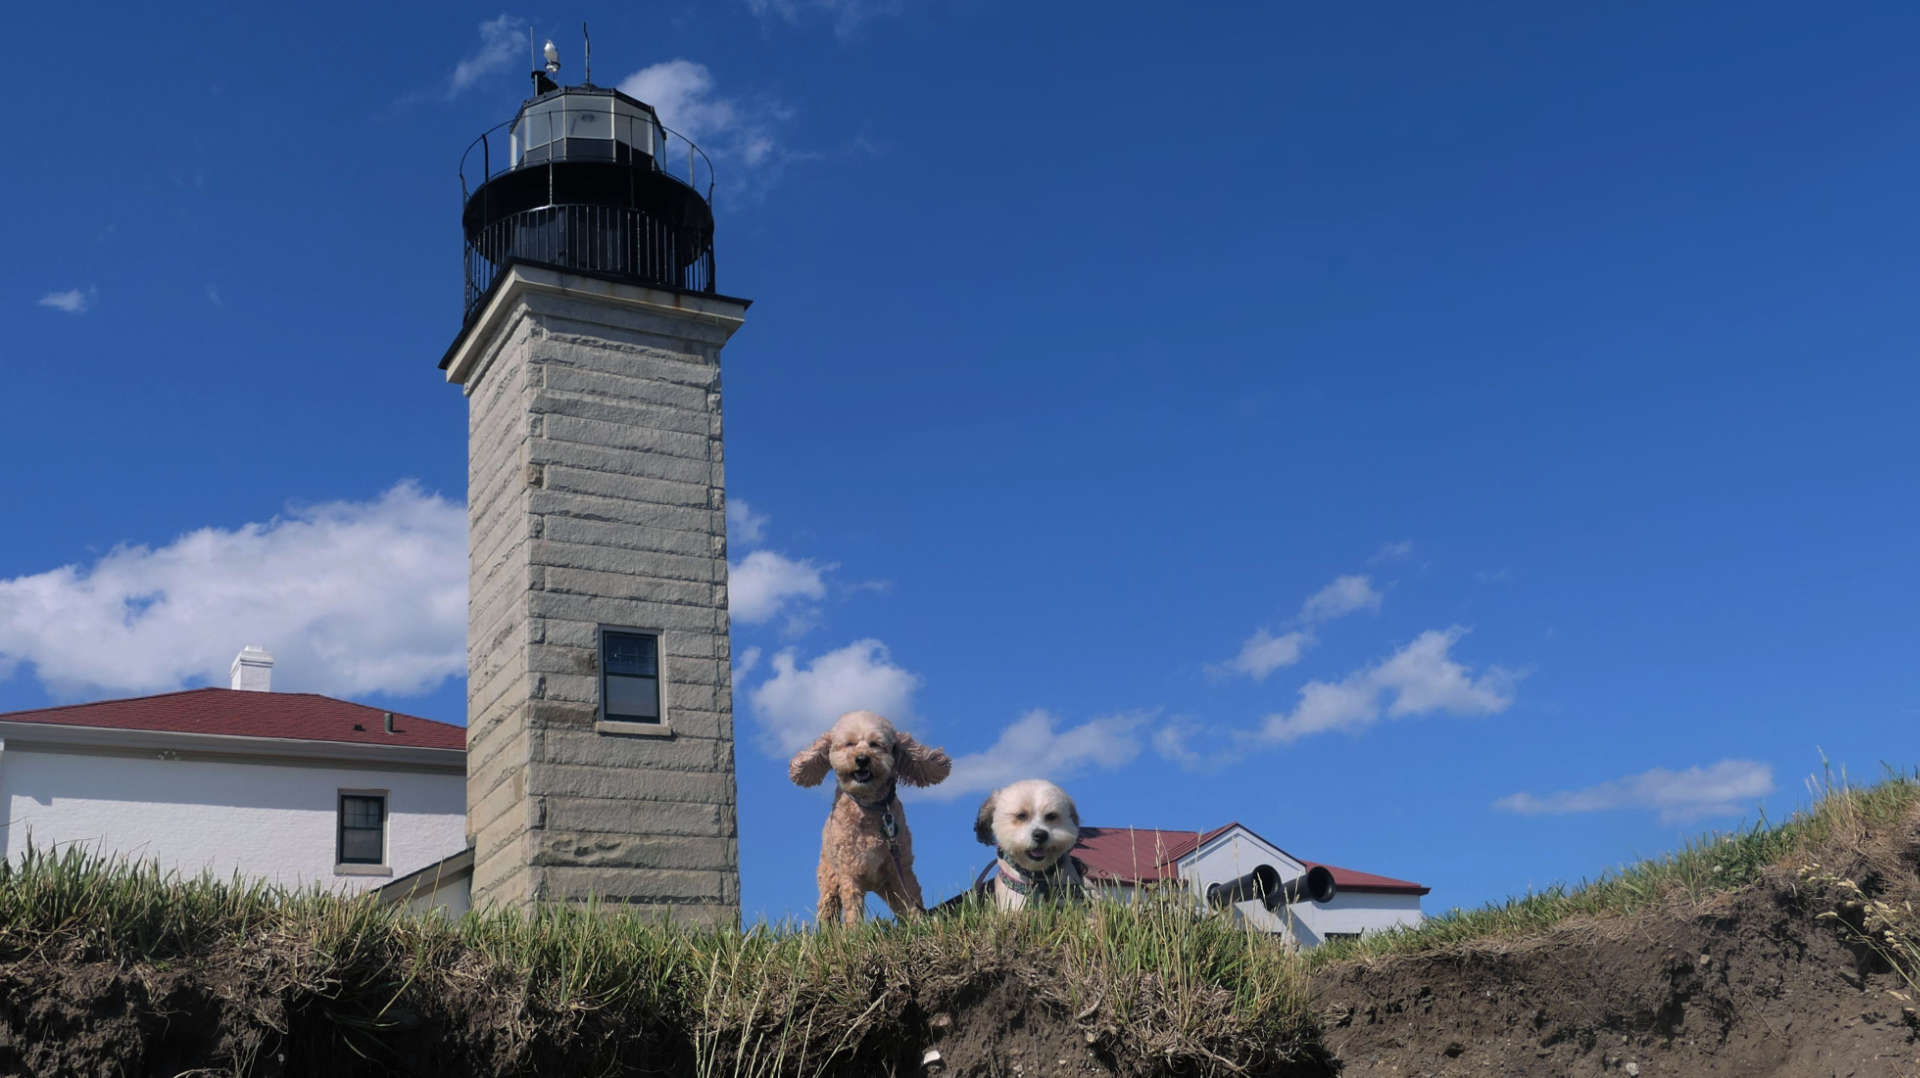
(252, 669)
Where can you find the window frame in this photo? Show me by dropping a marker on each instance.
(341, 864)
(662, 726)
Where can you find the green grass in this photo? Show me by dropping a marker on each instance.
(1706, 866)
(597, 989)
(591, 991)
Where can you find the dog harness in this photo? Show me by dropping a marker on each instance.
(889, 823)
(889, 826)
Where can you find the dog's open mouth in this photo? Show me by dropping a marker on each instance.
(863, 775)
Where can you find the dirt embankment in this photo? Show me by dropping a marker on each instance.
(1754, 983)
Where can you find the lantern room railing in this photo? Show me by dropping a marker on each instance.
(617, 241)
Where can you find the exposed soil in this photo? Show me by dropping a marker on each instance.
(1747, 984)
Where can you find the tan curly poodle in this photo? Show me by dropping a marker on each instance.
(866, 845)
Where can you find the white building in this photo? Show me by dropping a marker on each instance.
(295, 788)
(1128, 861)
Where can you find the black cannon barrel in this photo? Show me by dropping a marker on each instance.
(1315, 885)
(1263, 885)
(1261, 882)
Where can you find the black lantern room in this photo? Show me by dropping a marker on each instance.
(583, 179)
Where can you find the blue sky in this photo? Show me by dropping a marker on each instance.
(1475, 446)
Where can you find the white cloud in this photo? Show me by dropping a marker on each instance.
(351, 597)
(1032, 748)
(730, 130)
(762, 583)
(1344, 596)
(847, 15)
(744, 666)
(501, 40)
(1397, 551)
(745, 527)
(1174, 740)
(72, 301)
(1419, 679)
(797, 703)
(1263, 653)
(1726, 788)
(213, 295)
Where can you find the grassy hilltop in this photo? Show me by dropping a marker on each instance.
(115, 968)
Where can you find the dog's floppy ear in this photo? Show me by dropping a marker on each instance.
(1073, 810)
(809, 765)
(983, 823)
(917, 764)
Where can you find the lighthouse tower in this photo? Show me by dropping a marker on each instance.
(599, 695)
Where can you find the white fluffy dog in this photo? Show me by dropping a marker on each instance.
(1032, 825)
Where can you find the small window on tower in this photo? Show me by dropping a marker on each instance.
(629, 676)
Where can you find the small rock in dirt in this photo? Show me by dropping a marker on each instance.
(1632, 1069)
(1706, 961)
(941, 1022)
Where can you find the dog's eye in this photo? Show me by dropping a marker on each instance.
(1052, 816)
(1020, 817)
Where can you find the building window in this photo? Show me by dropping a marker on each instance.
(363, 830)
(629, 676)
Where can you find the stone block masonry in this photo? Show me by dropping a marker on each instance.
(597, 499)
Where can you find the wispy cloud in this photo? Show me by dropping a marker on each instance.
(1346, 595)
(745, 664)
(1726, 788)
(847, 15)
(1391, 552)
(351, 597)
(72, 301)
(801, 699)
(213, 296)
(501, 40)
(1263, 652)
(739, 134)
(1419, 679)
(1032, 747)
(745, 528)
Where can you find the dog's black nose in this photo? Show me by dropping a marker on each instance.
(862, 761)
(1039, 837)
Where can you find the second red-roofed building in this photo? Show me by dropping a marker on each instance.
(1125, 862)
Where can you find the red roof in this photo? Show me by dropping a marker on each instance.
(295, 716)
(1148, 855)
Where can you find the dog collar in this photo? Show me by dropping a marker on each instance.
(1057, 880)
